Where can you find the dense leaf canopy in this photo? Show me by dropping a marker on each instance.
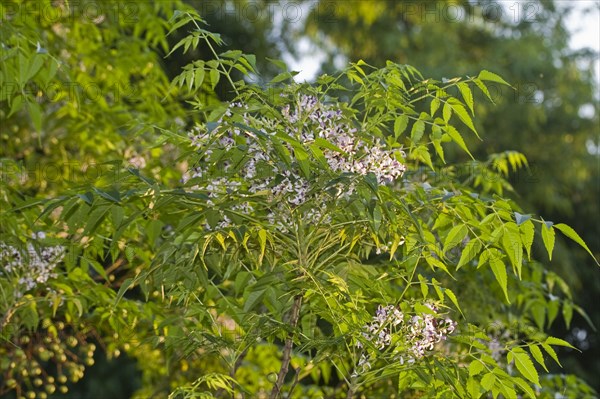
(175, 205)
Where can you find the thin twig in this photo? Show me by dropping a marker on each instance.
(287, 350)
(236, 365)
(351, 389)
(297, 370)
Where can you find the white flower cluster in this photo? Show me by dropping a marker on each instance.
(31, 266)
(426, 331)
(379, 331)
(259, 168)
(355, 155)
(413, 337)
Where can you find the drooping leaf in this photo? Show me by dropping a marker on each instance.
(551, 352)
(572, 234)
(492, 77)
(527, 231)
(559, 342)
(548, 238)
(537, 355)
(499, 270)
(417, 130)
(567, 312)
(456, 235)
(521, 383)
(475, 368)
(470, 251)
(433, 107)
(524, 365)
(457, 138)
(467, 95)
(400, 125)
(488, 381)
(459, 110)
(511, 240)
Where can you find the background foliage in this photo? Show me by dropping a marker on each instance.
(89, 117)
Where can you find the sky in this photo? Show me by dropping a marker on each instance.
(584, 27)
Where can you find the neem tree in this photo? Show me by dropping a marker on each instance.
(318, 245)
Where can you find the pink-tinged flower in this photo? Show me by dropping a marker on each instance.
(414, 337)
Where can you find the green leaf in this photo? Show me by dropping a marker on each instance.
(492, 77)
(447, 112)
(16, 105)
(253, 298)
(112, 195)
(433, 107)
(303, 159)
(35, 113)
(508, 391)
(241, 281)
(98, 268)
(129, 253)
(354, 77)
(185, 41)
(397, 240)
(537, 355)
(198, 78)
(78, 305)
(521, 383)
(567, 312)
(470, 251)
(583, 314)
(552, 307)
(475, 368)
(559, 342)
(467, 95)
(483, 89)
(457, 138)
(424, 286)
(473, 388)
(551, 352)
(417, 130)
(214, 77)
(96, 218)
(34, 67)
(548, 238)
(456, 235)
(511, 241)
(538, 311)
(318, 154)
(153, 230)
(278, 63)
(422, 154)
(262, 239)
(524, 365)
(488, 381)
(463, 115)
(450, 294)
(572, 234)
(434, 262)
(437, 144)
(499, 270)
(527, 231)
(400, 125)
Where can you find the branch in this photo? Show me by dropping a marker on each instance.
(351, 389)
(236, 365)
(287, 350)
